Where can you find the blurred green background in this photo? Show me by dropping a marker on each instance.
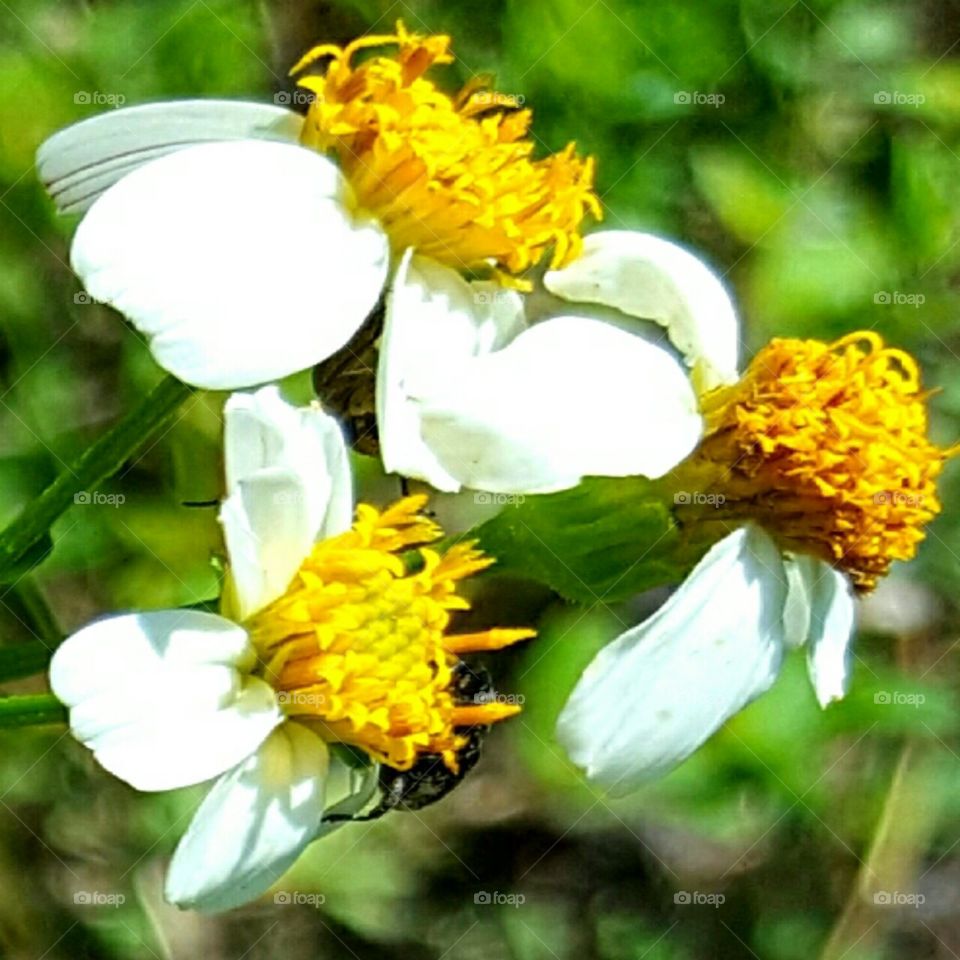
(810, 151)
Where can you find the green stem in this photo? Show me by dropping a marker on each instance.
(100, 461)
(20, 660)
(32, 709)
(903, 833)
(37, 613)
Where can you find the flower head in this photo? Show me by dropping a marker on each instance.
(825, 445)
(452, 177)
(326, 638)
(357, 646)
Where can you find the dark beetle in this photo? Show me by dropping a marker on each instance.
(430, 779)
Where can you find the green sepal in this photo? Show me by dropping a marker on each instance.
(605, 540)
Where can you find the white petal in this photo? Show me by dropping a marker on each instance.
(253, 824)
(434, 318)
(162, 698)
(568, 398)
(832, 617)
(239, 261)
(655, 694)
(289, 485)
(646, 276)
(802, 573)
(77, 164)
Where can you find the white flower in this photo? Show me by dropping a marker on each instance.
(228, 236)
(167, 699)
(326, 636)
(819, 456)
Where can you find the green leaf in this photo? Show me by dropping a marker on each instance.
(100, 461)
(605, 540)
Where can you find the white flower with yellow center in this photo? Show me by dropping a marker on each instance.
(819, 459)
(326, 637)
(247, 242)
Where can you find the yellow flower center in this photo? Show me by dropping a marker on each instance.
(826, 446)
(357, 647)
(451, 177)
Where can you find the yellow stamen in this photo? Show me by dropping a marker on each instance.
(826, 446)
(357, 645)
(451, 177)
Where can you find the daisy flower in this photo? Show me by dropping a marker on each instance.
(326, 637)
(247, 242)
(813, 474)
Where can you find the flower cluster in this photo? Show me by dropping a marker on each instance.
(247, 242)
